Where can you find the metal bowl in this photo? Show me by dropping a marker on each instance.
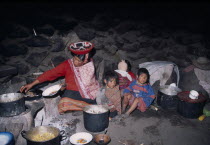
(102, 139)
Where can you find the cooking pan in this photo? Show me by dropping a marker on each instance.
(32, 94)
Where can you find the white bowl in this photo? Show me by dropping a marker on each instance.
(80, 135)
(51, 90)
(193, 94)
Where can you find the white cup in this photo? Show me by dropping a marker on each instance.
(193, 94)
(173, 85)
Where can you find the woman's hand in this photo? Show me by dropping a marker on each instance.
(27, 87)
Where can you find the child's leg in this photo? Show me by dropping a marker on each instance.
(125, 101)
(133, 106)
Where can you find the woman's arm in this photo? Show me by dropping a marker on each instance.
(54, 73)
(49, 75)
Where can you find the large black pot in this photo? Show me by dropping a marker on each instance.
(167, 97)
(190, 108)
(29, 135)
(11, 104)
(96, 118)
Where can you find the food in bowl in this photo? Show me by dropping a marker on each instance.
(53, 93)
(81, 140)
(30, 94)
(43, 137)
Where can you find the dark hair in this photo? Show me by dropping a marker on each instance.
(82, 56)
(144, 71)
(129, 65)
(108, 75)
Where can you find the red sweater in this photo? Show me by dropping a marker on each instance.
(63, 69)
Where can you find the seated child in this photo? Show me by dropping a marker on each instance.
(139, 93)
(124, 73)
(110, 94)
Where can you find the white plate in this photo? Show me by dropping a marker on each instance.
(80, 135)
(51, 90)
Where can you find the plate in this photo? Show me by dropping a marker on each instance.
(75, 138)
(51, 90)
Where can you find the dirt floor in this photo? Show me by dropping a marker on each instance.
(162, 127)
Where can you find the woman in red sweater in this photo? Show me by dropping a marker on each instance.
(81, 85)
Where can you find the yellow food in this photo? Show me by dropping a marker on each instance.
(202, 117)
(43, 137)
(81, 140)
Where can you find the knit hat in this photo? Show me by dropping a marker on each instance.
(80, 47)
(202, 63)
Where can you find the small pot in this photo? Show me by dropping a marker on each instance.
(58, 135)
(94, 119)
(102, 139)
(167, 97)
(11, 104)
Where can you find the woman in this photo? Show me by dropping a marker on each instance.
(81, 85)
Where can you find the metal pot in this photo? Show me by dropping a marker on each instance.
(167, 96)
(55, 140)
(96, 118)
(190, 108)
(11, 104)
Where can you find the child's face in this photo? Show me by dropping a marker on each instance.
(142, 78)
(111, 83)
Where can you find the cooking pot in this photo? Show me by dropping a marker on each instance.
(56, 135)
(11, 104)
(190, 108)
(96, 118)
(167, 96)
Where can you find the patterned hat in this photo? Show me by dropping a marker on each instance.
(202, 63)
(80, 47)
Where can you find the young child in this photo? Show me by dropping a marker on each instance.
(124, 73)
(139, 93)
(110, 94)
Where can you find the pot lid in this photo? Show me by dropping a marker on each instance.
(184, 96)
(170, 90)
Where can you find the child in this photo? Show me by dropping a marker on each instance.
(139, 93)
(124, 73)
(110, 94)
